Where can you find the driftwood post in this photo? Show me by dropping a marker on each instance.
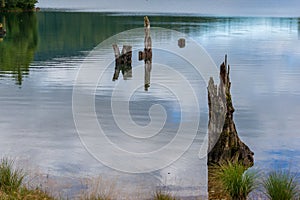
(123, 62)
(224, 142)
(146, 55)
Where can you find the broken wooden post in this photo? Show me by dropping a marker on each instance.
(123, 62)
(224, 143)
(181, 43)
(146, 55)
(117, 62)
(126, 62)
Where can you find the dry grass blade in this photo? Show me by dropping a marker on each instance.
(99, 189)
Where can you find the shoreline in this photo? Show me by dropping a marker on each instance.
(20, 10)
(154, 13)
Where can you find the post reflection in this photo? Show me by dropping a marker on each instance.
(147, 76)
(123, 60)
(146, 55)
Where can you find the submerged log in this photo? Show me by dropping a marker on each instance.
(123, 62)
(224, 142)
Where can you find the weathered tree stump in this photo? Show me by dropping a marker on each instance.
(146, 55)
(123, 62)
(224, 143)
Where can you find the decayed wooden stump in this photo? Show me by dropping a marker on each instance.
(146, 55)
(224, 143)
(123, 62)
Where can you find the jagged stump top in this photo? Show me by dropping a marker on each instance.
(224, 142)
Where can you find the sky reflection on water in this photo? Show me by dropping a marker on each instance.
(37, 121)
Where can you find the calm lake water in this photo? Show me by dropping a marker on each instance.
(40, 57)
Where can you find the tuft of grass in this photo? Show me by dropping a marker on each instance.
(11, 184)
(159, 195)
(235, 180)
(26, 194)
(281, 185)
(10, 178)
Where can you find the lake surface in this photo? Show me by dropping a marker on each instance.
(42, 53)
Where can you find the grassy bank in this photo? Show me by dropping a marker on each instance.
(234, 180)
(237, 183)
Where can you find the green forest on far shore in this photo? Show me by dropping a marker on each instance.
(17, 5)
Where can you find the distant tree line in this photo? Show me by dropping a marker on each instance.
(17, 4)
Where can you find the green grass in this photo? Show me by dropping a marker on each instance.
(10, 178)
(159, 195)
(11, 184)
(25, 194)
(281, 185)
(235, 180)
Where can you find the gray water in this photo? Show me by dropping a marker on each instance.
(40, 59)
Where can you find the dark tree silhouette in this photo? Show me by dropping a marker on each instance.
(17, 5)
